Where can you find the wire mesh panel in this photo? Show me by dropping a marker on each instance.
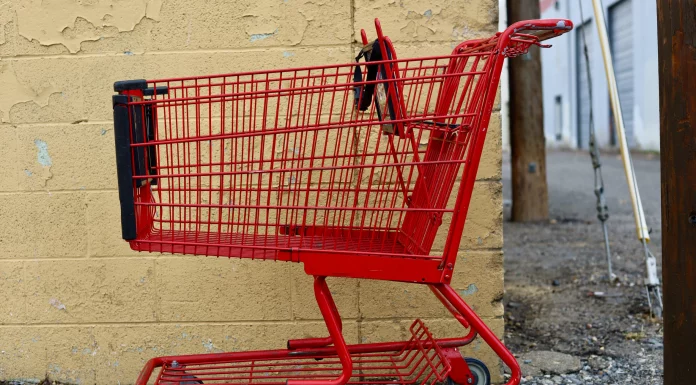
(265, 164)
(254, 164)
(419, 362)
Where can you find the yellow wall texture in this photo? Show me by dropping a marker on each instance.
(75, 303)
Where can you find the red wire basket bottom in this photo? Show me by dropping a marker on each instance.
(417, 361)
(269, 246)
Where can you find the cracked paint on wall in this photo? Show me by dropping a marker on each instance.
(262, 20)
(470, 290)
(56, 304)
(261, 36)
(210, 346)
(43, 156)
(55, 21)
(12, 91)
(58, 110)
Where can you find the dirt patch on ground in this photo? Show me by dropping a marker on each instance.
(558, 297)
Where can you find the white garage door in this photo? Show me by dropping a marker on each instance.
(583, 90)
(621, 37)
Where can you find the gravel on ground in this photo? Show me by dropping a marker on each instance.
(558, 298)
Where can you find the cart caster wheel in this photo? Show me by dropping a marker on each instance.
(480, 371)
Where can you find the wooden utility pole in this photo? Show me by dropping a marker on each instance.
(530, 199)
(676, 26)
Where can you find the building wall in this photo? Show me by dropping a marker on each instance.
(76, 303)
(560, 76)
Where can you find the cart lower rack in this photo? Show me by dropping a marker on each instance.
(416, 361)
(359, 170)
(420, 360)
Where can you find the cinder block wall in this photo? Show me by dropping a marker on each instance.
(75, 303)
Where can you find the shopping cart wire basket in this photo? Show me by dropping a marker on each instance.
(360, 170)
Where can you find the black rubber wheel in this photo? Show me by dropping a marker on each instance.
(480, 371)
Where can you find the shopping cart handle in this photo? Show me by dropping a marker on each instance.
(162, 90)
(519, 37)
(542, 29)
(141, 85)
(130, 85)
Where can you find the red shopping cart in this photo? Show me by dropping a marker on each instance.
(360, 170)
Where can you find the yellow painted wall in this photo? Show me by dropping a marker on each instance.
(75, 303)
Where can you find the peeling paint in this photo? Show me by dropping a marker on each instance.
(470, 290)
(53, 22)
(12, 91)
(209, 345)
(42, 156)
(262, 36)
(56, 304)
(279, 25)
(461, 32)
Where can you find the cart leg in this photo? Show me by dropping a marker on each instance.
(477, 324)
(308, 343)
(333, 323)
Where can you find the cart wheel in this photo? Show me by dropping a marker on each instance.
(480, 371)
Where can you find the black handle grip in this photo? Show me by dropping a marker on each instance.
(124, 166)
(130, 85)
(140, 84)
(162, 90)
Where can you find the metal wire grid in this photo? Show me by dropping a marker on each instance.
(419, 362)
(253, 163)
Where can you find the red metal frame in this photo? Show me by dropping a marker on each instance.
(354, 364)
(279, 165)
(416, 361)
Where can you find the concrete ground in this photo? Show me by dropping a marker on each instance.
(552, 269)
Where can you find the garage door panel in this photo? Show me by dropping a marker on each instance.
(621, 40)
